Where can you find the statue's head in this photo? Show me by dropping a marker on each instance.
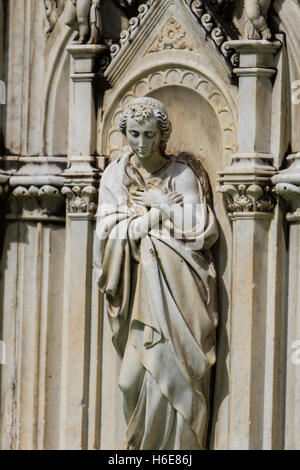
(146, 125)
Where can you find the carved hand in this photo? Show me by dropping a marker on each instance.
(152, 198)
(176, 197)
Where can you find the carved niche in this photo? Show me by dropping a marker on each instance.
(175, 51)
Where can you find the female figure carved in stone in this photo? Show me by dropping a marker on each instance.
(154, 232)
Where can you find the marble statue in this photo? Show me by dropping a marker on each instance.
(255, 15)
(154, 231)
(88, 16)
(53, 10)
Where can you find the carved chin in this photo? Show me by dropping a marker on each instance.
(143, 154)
(146, 153)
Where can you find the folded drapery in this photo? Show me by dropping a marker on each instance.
(161, 305)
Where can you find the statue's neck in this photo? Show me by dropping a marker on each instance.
(150, 165)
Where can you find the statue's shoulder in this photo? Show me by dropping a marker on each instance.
(116, 166)
(195, 165)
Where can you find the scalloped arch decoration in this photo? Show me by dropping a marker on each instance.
(181, 76)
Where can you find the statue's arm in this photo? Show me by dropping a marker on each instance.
(185, 214)
(141, 226)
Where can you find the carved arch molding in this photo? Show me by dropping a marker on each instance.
(197, 80)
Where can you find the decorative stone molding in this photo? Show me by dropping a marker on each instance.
(248, 198)
(33, 190)
(172, 36)
(184, 77)
(134, 24)
(80, 199)
(43, 203)
(211, 26)
(214, 29)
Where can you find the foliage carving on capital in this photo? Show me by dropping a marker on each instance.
(80, 199)
(248, 198)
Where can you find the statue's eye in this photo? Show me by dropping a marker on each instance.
(150, 134)
(134, 133)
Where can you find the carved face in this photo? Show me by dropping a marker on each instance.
(144, 138)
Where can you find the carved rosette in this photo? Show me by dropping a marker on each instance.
(43, 203)
(81, 200)
(245, 198)
(172, 36)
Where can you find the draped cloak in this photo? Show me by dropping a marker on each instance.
(161, 301)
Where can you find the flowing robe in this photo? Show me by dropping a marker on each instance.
(161, 295)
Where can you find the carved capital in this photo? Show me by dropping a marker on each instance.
(254, 198)
(81, 199)
(44, 203)
(172, 36)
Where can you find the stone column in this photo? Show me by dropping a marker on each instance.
(288, 187)
(82, 179)
(31, 293)
(246, 185)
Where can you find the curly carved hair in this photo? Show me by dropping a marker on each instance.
(142, 109)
